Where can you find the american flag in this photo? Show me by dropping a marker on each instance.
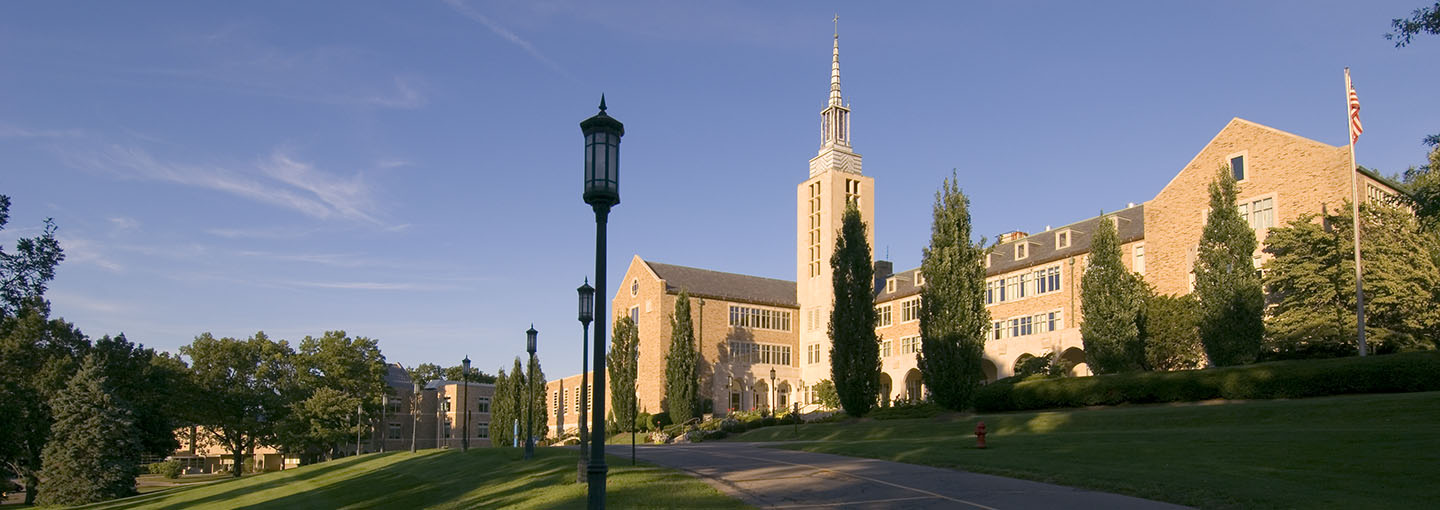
(1355, 128)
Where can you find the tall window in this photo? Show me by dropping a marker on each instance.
(1139, 258)
(635, 314)
(1262, 213)
(1237, 167)
(852, 192)
(910, 310)
(1047, 280)
(483, 406)
(814, 229)
(885, 346)
(445, 405)
(393, 431)
(997, 330)
(482, 429)
(883, 313)
(910, 345)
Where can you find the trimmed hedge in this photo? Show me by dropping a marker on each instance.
(1389, 373)
(907, 411)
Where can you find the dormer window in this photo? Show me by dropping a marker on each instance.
(987, 260)
(919, 278)
(890, 284)
(1062, 239)
(1022, 250)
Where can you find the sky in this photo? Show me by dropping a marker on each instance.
(411, 171)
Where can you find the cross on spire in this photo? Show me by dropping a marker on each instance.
(837, 25)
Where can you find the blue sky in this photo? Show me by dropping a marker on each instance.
(411, 171)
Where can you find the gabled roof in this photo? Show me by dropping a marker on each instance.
(1042, 245)
(1042, 250)
(727, 286)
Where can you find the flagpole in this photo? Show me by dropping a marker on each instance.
(1355, 218)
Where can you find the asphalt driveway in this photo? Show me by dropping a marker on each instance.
(774, 478)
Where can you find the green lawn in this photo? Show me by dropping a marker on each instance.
(480, 478)
(1358, 451)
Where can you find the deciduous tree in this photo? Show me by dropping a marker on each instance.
(953, 318)
(854, 351)
(1172, 333)
(248, 386)
(25, 273)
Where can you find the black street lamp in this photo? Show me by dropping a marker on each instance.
(587, 314)
(530, 381)
(465, 403)
(414, 413)
(602, 191)
(774, 393)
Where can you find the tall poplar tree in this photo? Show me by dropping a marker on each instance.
(539, 424)
(1226, 280)
(854, 349)
(953, 318)
(623, 365)
(1111, 302)
(502, 409)
(94, 449)
(682, 364)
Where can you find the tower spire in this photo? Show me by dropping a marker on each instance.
(835, 67)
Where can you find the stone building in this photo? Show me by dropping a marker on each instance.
(748, 325)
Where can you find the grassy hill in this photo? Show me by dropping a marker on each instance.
(1357, 451)
(480, 478)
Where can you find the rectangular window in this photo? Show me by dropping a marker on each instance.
(753, 353)
(1062, 239)
(1026, 284)
(1054, 321)
(910, 345)
(557, 401)
(1012, 289)
(910, 310)
(759, 318)
(1026, 326)
(1237, 167)
(482, 429)
(445, 405)
(890, 284)
(997, 330)
(1262, 213)
(919, 278)
(1014, 327)
(635, 314)
(393, 432)
(483, 406)
(1139, 259)
(885, 346)
(882, 313)
(1022, 250)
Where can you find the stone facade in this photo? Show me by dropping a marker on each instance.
(1282, 176)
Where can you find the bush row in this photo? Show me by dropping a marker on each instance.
(1390, 373)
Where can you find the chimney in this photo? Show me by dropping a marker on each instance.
(1013, 235)
(883, 269)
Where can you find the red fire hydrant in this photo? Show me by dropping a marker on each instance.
(980, 435)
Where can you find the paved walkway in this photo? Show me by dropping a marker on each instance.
(775, 478)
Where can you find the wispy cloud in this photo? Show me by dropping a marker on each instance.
(278, 180)
(66, 301)
(461, 7)
(8, 130)
(86, 251)
(372, 286)
(124, 224)
(326, 259)
(260, 233)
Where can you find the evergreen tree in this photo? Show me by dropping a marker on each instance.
(1173, 337)
(1111, 302)
(539, 425)
(623, 365)
(94, 449)
(37, 356)
(1311, 281)
(1231, 302)
(682, 366)
(953, 318)
(854, 348)
(502, 411)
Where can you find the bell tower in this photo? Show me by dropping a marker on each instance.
(834, 181)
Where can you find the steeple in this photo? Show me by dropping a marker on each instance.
(835, 119)
(835, 68)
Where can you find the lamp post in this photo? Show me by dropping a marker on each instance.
(530, 405)
(358, 409)
(587, 314)
(774, 392)
(384, 402)
(465, 404)
(602, 192)
(414, 413)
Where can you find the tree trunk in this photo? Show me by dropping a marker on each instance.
(32, 482)
(239, 453)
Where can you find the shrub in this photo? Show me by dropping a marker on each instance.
(644, 422)
(1390, 373)
(907, 411)
(169, 469)
(659, 420)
